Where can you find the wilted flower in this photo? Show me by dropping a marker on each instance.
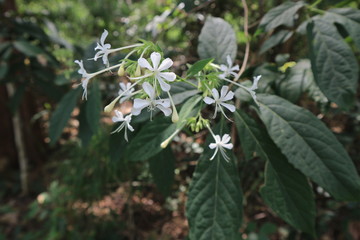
(151, 103)
(103, 49)
(119, 117)
(220, 144)
(228, 70)
(220, 101)
(157, 69)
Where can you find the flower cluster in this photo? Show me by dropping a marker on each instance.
(149, 78)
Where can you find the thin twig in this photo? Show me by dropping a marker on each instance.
(247, 47)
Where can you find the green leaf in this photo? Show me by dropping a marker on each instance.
(162, 168)
(198, 66)
(214, 207)
(283, 14)
(27, 48)
(286, 189)
(147, 142)
(349, 18)
(85, 133)
(62, 114)
(333, 63)
(217, 40)
(93, 107)
(180, 91)
(275, 39)
(310, 147)
(295, 81)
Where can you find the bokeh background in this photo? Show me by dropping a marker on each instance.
(81, 186)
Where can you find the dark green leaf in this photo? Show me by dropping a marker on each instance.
(85, 133)
(214, 207)
(310, 147)
(147, 142)
(180, 91)
(93, 107)
(333, 63)
(27, 48)
(286, 190)
(275, 39)
(162, 167)
(295, 81)
(198, 66)
(349, 18)
(217, 40)
(281, 15)
(62, 114)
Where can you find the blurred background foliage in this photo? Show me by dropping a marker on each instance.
(83, 186)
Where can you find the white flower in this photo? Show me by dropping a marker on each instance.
(85, 77)
(151, 102)
(228, 70)
(153, 25)
(254, 87)
(119, 117)
(126, 91)
(103, 49)
(220, 101)
(220, 144)
(157, 69)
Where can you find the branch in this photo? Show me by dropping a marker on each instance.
(247, 47)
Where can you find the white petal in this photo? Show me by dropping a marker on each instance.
(208, 100)
(123, 87)
(212, 145)
(230, 107)
(215, 94)
(228, 96)
(222, 75)
(163, 102)
(119, 115)
(223, 92)
(97, 55)
(225, 138)
(164, 86)
(103, 36)
(105, 58)
(166, 111)
(223, 68)
(155, 58)
(255, 83)
(140, 103)
(169, 76)
(235, 68)
(167, 63)
(229, 61)
(228, 146)
(136, 111)
(145, 64)
(149, 90)
(107, 46)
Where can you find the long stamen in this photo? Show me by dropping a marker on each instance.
(216, 150)
(119, 128)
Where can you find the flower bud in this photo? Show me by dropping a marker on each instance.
(138, 71)
(121, 71)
